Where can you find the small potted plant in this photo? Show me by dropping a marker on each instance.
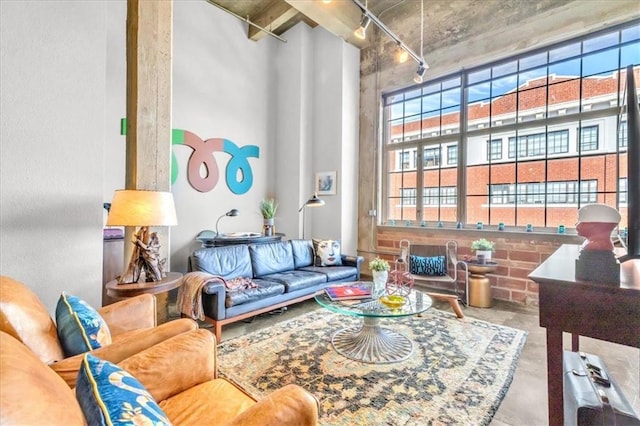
(268, 208)
(483, 247)
(380, 271)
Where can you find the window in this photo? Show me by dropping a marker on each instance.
(622, 189)
(558, 142)
(431, 157)
(534, 193)
(622, 136)
(452, 154)
(446, 195)
(589, 138)
(409, 197)
(558, 110)
(494, 149)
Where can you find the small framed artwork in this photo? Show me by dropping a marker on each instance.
(326, 183)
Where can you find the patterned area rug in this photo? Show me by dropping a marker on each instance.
(458, 373)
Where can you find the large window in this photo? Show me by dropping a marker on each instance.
(557, 112)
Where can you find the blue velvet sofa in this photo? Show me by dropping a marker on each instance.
(283, 271)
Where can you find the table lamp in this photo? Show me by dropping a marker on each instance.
(143, 208)
(232, 212)
(314, 201)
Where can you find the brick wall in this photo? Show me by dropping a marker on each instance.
(517, 254)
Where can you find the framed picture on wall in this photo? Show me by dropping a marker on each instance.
(326, 183)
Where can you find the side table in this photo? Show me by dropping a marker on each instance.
(159, 288)
(479, 284)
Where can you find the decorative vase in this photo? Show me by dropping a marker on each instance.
(379, 282)
(486, 253)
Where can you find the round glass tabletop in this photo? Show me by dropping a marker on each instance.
(415, 303)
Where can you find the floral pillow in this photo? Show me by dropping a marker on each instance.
(80, 327)
(109, 395)
(327, 253)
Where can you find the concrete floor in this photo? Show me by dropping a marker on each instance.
(526, 400)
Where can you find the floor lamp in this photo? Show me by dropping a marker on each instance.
(311, 202)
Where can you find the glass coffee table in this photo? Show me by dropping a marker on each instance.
(370, 342)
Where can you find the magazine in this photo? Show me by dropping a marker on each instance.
(349, 291)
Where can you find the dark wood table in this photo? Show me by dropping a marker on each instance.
(604, 311)
(209, 238)
(159, 288)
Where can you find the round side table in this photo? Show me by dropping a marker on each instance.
(479, 284)
(159, 288)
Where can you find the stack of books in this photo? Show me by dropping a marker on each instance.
(349, 291)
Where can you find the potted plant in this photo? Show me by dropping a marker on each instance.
(268, 208)
(483, 247)
(380, 271)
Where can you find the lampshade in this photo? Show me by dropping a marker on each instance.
(142, 208)
(314, 201)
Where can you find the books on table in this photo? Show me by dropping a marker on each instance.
(349, 291)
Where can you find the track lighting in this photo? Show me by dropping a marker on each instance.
(364, 23)
(420, 73)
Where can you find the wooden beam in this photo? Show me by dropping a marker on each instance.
(148, 151)
(276, 14)
(340, 18)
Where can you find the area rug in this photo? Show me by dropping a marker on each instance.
(458, 373)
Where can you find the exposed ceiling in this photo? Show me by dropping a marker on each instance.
(340, 17)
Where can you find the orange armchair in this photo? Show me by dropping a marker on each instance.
(33, 394)
(132, 323)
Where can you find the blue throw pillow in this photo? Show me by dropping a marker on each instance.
(327, 253)
(80, 327)
(434, 266)
(108, 395)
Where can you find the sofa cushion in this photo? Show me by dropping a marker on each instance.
(327, 252)
(271, 258)
(302, 253)
(333, 273)
(434, 266)
(109, 395)
(229, 262)
(80, 327)
(264, 290)
(297, 280)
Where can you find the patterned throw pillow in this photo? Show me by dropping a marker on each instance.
(80, 327)
(108, 395)
(327, 253)
(434, 266)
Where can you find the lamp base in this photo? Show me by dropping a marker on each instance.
(145, 259)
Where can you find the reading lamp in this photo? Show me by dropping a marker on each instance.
(143, 208)
(311, 202)
(232, 212)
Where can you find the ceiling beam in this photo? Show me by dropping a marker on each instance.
(273, 16)
(340, 18)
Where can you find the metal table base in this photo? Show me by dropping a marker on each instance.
(371, 343)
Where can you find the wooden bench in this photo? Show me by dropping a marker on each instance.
(450, 252)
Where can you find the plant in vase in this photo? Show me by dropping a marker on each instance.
(268, 208)
(483, 248)
(380, 271)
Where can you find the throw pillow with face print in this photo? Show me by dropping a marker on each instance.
(327, 252)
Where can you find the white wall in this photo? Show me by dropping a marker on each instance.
(63, 95)
(52, 72)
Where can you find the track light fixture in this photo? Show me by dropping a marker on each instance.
(362, 29)
(420, 73)
(371, 17)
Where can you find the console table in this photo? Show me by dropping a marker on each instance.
(209, 238)
(602, 311)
